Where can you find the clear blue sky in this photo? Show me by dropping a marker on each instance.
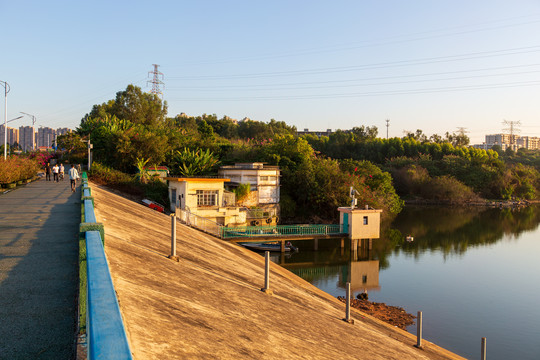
(430, 65)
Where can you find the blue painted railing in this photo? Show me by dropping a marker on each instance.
(281, 231)
(89, 214)
(106, 335)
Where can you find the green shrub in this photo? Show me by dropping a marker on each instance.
(154, 189)
(242, 191)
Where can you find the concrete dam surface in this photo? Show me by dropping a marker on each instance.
(209, 305)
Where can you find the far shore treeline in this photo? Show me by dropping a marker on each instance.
(134, 130)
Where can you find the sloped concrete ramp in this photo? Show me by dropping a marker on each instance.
(209, 305)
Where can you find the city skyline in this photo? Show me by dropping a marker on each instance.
(436, 67)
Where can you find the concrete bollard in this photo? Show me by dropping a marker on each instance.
(484, 348)
(173, 256)
(419, 330)
(348, 305)
(266, 287)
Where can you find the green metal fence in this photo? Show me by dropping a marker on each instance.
(280, 230)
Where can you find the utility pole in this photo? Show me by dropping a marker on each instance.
(90, 146)
(387, 126)
(155, 81)
(6, 90)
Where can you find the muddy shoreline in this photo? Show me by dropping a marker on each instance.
(392, 315)
(479, 203)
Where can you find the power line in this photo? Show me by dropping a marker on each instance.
(400, 39)
(243, 87)
(421, 61)
(377, 93)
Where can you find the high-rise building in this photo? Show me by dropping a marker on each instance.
(12, 135)
(45, 136)
(507, 141)
(63, 131)
(27, 138)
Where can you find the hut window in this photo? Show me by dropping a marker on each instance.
(207, 197)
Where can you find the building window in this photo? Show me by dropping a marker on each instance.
(365, 220)
(207, 197)
(264, 178)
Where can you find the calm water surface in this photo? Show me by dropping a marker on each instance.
(472, 272)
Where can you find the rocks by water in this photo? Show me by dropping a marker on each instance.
(393, 315)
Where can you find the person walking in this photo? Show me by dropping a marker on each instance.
(55, 171)
(48, 171)
(73, 176)
(61, 172)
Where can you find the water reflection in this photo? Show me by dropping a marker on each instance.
(343, 259)
(453, 230)
(463, 256)
(450, 231)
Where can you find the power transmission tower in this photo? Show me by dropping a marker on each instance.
(155, 81)
(512, 129)
(387, 126)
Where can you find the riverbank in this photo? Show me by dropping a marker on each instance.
(210, 303)
(481, 203)
(393, 315)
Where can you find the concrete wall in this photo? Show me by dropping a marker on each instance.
(363, 224)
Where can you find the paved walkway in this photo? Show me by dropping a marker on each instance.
(39, 226)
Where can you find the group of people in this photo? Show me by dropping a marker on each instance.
(58, 174)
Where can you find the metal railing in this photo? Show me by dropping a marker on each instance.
(281, 230)
(199, 222)
(223, 232)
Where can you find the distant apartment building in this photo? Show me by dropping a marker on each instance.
(12, 135)
(328, 132)
(63, 131)
(45, 137)
(507, 141)
(27, 138)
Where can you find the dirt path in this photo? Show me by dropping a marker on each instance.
(210, 306)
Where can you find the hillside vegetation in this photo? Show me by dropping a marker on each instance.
(134, 129)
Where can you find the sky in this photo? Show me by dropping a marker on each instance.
(437, 66)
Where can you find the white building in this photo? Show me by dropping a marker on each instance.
(264, 181)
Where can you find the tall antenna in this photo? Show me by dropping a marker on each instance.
(155, 81)
(512, 129)
(387, 126)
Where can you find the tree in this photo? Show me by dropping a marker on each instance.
(133, 105)
(195, 162)
(206, 131)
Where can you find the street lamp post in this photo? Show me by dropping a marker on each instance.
(6, 90)
(5, 130)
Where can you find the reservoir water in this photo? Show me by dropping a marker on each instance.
(473, 272)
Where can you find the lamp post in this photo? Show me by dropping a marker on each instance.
(5, 131)
(6, 90)
(33, 130)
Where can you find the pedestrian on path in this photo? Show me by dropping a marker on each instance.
(55, 171)
(73, 176)
(61, 172)
(48, 172)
